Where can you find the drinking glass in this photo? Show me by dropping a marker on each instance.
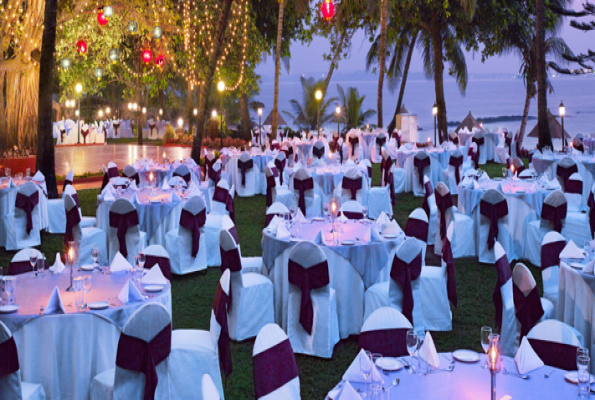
(77, 285)
(142, 259)
(33, 259)
(7, 172)
(365, 364)
(10, 283)
(365, 212)
(584, 377)
(504, 172)
(486, 331)
(40, 267)
(293, 211)
(581, 352)
(376, 391)
(86, 288)
(411, 347)
(95, 255)
(28, 172)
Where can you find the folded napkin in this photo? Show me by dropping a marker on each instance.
(297, 166)
(319, 238)
(109, 196)
(282, 232)
(55, 305)
(475, 185)
(484, 177)
(132, 185)
(466, 181)
(120, 181)
(354, 372)
(499, 187)
(299, 216)
(165, 185)
(130, 293)
(392, 228)
(348, 393)
(553, 184)
(58, 266)
(274, 223)
(428, 351)
(154, 277)
(38, 177)
(588, 268)
(382, 221)
(119, 264)
(526, 359)
(342, 218)
(372, 235)
(571, 251)
(108, 188)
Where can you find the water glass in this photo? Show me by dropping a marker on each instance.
(86, 288)
(40, 267)
(365, 365)
(486, 331)
(10, 284)
(376, 391)
(580, 352)
(411, 342)
(77, 285)
(584, 377)
(28, 172)
(33, 258)
(365, 212)
(142, 259)
(95, 255)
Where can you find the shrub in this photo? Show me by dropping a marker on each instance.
(169, 135)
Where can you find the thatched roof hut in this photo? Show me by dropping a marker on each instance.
(469, 122)
(269, 119)
(555, 128)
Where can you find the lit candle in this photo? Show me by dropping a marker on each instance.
(512, 169)
(151, 177)
(334, 208)
(71, 254)
(493, 357)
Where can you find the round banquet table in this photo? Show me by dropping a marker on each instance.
(524, 199)
(352, 269)
(64, 352)
(327, 178)
(468, 381)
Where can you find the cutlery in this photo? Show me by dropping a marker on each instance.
(447, 369)
(405, 363)
(506, 372)
(549, 373)
(452, 361)
(40, 310)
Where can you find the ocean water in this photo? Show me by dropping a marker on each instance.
(486, 96)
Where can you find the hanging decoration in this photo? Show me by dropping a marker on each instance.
(81, 47)
(98, 73)
(328, 9)
(65, 63)
(108, 11)
(160, 60)
(114, 55)
(132, 27)
(157, 32)
(147, 56)
(101, 19)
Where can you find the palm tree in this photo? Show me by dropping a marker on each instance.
(545, 137)
(382, 57)
(353, 115)
(306, 114)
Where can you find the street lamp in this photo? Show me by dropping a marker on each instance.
(562, 112)
(221, 88)
(79, 88)
(318, 96)
(214, 113)
(338, 112)
(160, 111)
(260, 125)
(195, 112)
(435, 114)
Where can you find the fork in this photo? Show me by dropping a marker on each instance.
(41, 310)
(549, 373)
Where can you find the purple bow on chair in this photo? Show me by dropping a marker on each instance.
(493, 212)
(354, 142)
(528, 309)
(112, 172)
(301, 187)
(62, 133)
(134, 354)
(222, 196)
(385, 166)
(186, 177)
(193, 223)
(380, 142)
(421, 164)
(565, 172)
(122, 222)
(163, 262)
(443, 203)
(353, 185)
(244, 166)
(404, 273)
(451, 281)
(428, 192)
(480, 142)
(280, 165)
(116, 125)
(555, 215)
(221, 304)
(397, 137)
(504, 274)
(573, 186)
(27, 204)
(550, 254)
(388, 342)
(73, 218)
(353, 215)
(318, 152)
(273, 368)
(591, 204)
(508, 143)
(215, 176)
(417, 228)
(455, 140)
(232, 261)
(391, 184)
(136, 178)
(84, 132)
(66, 183)
(209, 165)
(554, 354)
(456, 163)
(271, 183)
(9, 356)
(306, 280)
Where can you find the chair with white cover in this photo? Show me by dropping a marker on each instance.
(429, 206)
(56, 208)
(366, 167)
(352, 186)
(20, 262)
(86, 222)
(421, 167)
(281, 162)
(379, 144)
(276, 209)
(274, 368)
(551, 247)
(556, 343)
(502, 151)
(564, 170)
(479, 140)
(222, 200)
(131, 173)
(11, 386)
(344, 152)
(213, 227)
(183, 172)
(355, 149)
(318, 151)
(156, 254)
(186, 244)
(352, 210)
(23, 224)
(402, 291)
(576, 225)
(312, 320)
(454, 172)
(506, 322)
(389, 168)
(438, 288)
(210, 160)
(209, 390)
(573, 191)
(380, 199)
(214, 174)
(303, 191)
(276, 192)
(385, 331)
(251, 294)
(124, 234)
(143, 351)
(417, 227)
(463, 240)
(85, 238)
(246, 176)
(493, 226)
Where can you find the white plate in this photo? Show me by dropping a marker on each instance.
(390, 235)
(295, 240)
(317, 219)
(348, 242)
(520, 191)
(98, 305)
(389, 364)
(8, 309)
(87, 267)
(572, 377)
(467, 356)
(153, 288)
(578, 266)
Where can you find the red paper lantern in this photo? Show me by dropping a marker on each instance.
(81, 46)
(147, 56)
(101, 19)
(159, 60)
(328, 9)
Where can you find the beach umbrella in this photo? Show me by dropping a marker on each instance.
(555, 128)
(470, 122)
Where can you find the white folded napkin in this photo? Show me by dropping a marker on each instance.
(571, 251)
(466, 181)
(299, 216)
(342, 218)
(588, 268)
(392, 228)
(372, 235)
(282, 232)
(354, 372)
(130, 293)
(165, 185)
(274, 223)
(38, 177)
(109, 196)
(132, 185)
(119, 264)
(428, 352)
(475, 185)
(108, 188)
(499, 187)
(382, 221)
(58, 266)
(319, 238)
(55, 305)
(526, 359)
(154, 277)
(348, 393)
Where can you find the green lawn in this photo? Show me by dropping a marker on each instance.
(193, 294)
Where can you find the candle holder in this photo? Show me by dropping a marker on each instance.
(70, 260)
(494, 361)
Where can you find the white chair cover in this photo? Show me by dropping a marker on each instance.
(463, 244)
(524, 280)
(574, 199)
(16, 222)
(86, 238)
(383, 319)
(280, 193)
(358, 148)
(136, 240)
(419, 190)
(554, 331)
(486, 255)
(482, 148)
(313, 202)
(86, 222)
(345, 194)
(450, 177)
(509, 326)
(553, 242)
(352, 208)
(418, 217)
(279, 209)
(249, 189)
(379, 201)
(209, 390)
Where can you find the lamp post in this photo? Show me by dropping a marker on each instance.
(221, 88)
(318, 96)
(562, 111)
(79, 88)
(260, 125)
(435, 114)
(338, 112)
(214, 115)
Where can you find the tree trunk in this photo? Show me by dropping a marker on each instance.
(439, 84)
(528, 97)
(335, 60)
(545, 137)
(139, 114)
(277, 67)
(393, 122)
(382, 58)
(190, 107)
(162, 105)
(210, 72)
(246, 121)
(45, 138)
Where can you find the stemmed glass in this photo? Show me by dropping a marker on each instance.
(95, 255)
(86, 288)
(365, 364)
(142, 259)
(583, 377)
(10, 283)
(293, 211)
(77, 285)
(365, 212)
(486, 331)
(33, 259)
(411, 347)
(504, 172)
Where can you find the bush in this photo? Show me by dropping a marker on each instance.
(169, 135)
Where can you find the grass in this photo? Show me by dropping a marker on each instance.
(192, 296)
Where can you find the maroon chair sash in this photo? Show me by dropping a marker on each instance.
(456, 163)
(306, 280)
(421, 164)
(163, 262)
(550, 254)
(369, 172)
(73, 218)
(27, 204)
(275, 146)
(508, 143)
(443, 203)
(112, 172)
(273, 368)
(66, 183)
(403, 273)
(215, 176)
(353, 185)
(391, 184)
(301, 187)
(135, 354)
(269, 218)
(388, 342)
(271, 183)
(122, 222)
(84, 132)
(417, 228)
(528, 309)
(425, 205)
(591, 204)
(116, 126)
(187, 177)
(454, 140)
(135, 176)
(493, 212)
(105, 181)
(397, 137)
(451, 280)
(244, 166)
(75, 197)
(554, 354)
(573, 186)
(580, 147)
(22, 267)
(354, 142)
(280, 164)
(221, 304)
(9, 356)
(222, 196)
(385, 166)
(62, 133)
(565, 172)
(318, 152)
(555, 215)
(504, 274)
(380, 142)
(480, 142)
(209, 165)
(193, 223)
(353, 215)
(232, 261)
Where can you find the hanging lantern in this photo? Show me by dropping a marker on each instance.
(108, 11)
(157, 32)
(114, 55)
(65, 63)
(159, 60)
(81, 47)
(328, 9)
(98, 73)
(132, 27)
(147, 56)
(101, 19)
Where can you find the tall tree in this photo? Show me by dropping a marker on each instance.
(354, 115)
(381, 58)
(543, 126)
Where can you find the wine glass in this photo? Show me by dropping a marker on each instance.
(77, 285)
(583, 377)
(10, 283)
(365, 364)
(95, 256)
(365, 212)
(486, 331)
(7, 172)
(504, 172)
(86, 287)
(293, 211)
(142, 259)
(411, 347)
(581, 352)
(28, 172)
(33, 259)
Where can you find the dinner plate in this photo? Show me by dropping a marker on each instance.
(153, 288)
(572, 377)
(578, 266)
(520, 191)
(389, 364)
(7, 309)
(317, 219)
(347, 242)
(155, 201)
(467, 356)
(498, 179)
(98, 305)
(87, 267)
(390, 235)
